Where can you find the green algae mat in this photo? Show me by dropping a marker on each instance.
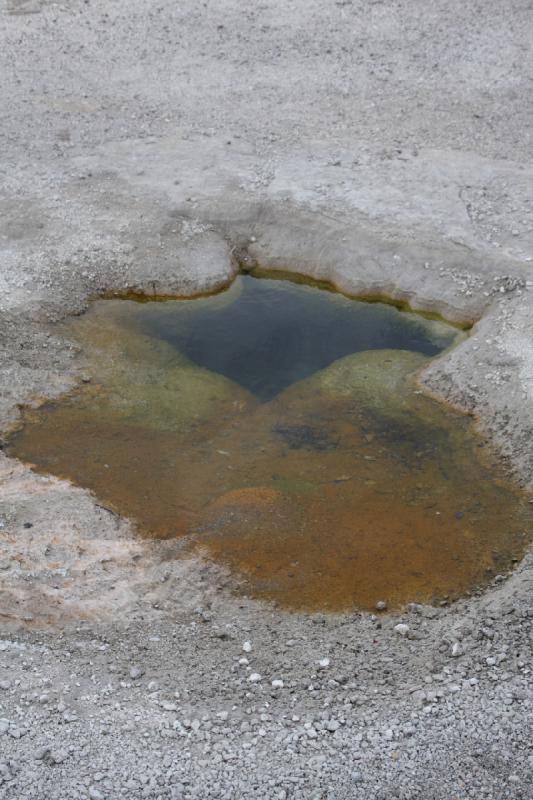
(278, 429)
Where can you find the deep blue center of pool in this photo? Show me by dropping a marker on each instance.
(268, 334)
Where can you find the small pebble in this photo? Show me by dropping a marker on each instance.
(136, 673)
(456, 650)
(402, 628)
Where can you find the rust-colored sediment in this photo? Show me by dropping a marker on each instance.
(319, 499)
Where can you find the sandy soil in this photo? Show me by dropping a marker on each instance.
(383, 146)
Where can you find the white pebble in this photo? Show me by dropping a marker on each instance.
(402, 628)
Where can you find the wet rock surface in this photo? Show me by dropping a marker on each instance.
(382, 147)
(331, 484)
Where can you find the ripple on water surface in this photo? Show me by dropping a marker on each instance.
(278, 429)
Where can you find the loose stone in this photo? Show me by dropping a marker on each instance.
(402, 628)
(136, 672)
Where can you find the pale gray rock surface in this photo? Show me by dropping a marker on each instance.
(382, 146)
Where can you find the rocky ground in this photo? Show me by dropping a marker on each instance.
(383, 146)
(226, 700)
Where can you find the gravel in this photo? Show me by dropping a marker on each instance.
(383, 147)
(385, 719)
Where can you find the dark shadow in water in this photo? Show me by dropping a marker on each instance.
(275, 333)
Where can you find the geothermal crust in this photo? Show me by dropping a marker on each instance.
(382, 147)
